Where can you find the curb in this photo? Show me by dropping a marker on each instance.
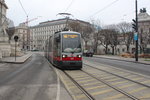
(13, 62)
(123, 60)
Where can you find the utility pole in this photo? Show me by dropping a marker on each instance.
(135, 27)
(136, 53)
(1, 14)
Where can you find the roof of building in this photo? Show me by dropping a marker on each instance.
(56, 22)
(143, 16)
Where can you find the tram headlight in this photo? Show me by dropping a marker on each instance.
(64, 56)
(79, 56)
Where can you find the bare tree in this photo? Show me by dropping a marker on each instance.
(104, 38)
(113, 37)
(97, 26)
(75, 26)
(126, 31)
(86, 33)
(84, 28)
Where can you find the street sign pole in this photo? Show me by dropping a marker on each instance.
(15, 50)
(16, 40)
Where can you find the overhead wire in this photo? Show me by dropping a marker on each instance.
(69, 6)
(23, 8)
(107, 6)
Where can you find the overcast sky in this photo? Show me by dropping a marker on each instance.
(107, 11)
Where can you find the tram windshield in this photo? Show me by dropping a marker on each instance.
(71, 43)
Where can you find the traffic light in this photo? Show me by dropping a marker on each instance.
(134, 25)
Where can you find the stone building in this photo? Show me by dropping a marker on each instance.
(40, 33)
(144, 30)
(22, 31)
(5, 48)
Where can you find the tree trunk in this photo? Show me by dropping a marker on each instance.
(113, 50)
(128, 48)
(106, 49)
(86, 45)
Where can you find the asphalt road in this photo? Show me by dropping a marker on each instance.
(136, 67)
(33, 80)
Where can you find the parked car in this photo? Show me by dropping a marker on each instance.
(88, 53)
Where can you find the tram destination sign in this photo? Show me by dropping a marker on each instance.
(70, 36)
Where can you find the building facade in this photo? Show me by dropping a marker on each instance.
(40, 33)
(144, 31)
(22, 31)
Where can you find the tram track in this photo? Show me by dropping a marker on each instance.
(90, 96)
(117, 89)
(80, 87)
(148, 86)
(122, 90)
(95, 87)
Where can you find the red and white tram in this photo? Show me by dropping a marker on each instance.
(64, 50)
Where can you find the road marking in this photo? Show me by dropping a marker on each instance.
(138, 78)
(131, 76)
(102, 92)
(81, 96)
(137, 90)
(96, 87)
(125, 74)
(126, 86)
(146, 96)
(107, 77)
(116, 83)
(114, 97)
(72, 87)
(84, 81)
(82, 78)
(146, 81)
(91, 83)
(58, 86)
(113, 79)
(104, 65)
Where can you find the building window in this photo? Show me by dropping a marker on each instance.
(123, 50)
(103, 50)
(118, 50)
(141, 30)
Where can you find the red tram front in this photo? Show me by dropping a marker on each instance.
(64, 50)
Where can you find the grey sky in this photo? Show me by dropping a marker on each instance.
(121, 10)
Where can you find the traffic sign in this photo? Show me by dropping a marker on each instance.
(16, 38)
(135, 36)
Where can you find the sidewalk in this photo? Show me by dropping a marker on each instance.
(140, 60)
(19, 60)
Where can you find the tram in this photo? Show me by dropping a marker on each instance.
(64, 50)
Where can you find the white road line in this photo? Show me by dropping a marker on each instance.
(58, 86)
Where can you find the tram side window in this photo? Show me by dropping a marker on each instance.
(57, 47)
(50, 45)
